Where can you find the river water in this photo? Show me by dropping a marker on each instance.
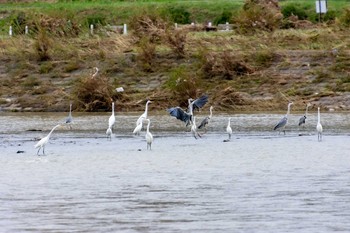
(260, 181)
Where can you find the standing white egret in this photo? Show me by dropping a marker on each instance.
(109, 133)
(319, 126)
(111, 119)
(194, 129)
(283, 122)
(44, 141)
(96, 72)
(69, 119)
(149, 136)
(144, 115)
(206, 120)
(229, 129)
(302, 119)
(137, 129)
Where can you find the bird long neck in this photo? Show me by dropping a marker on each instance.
(307, 107)
(48, 136)
(113, 109)
(211, 112)
(319, 115)
(70, 110)
(288, 111)
(148, 124)
(229, 122)
(190, 107)
(146, 109)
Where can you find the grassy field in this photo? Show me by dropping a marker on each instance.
(241, 70)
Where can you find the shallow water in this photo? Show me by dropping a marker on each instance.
(260, 181)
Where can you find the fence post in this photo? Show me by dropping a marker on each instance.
(10, 31)
(125, 29)
(91, 29)
(175, 25)
(227, 26)
(26, 30)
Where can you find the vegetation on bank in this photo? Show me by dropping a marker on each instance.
(274, 53)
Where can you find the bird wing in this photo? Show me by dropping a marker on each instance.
(204, 122)
(200, 102)
(179, 113)
(282, 123)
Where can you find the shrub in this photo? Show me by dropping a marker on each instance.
(259, 14)
(94, 94)
(225, 65)
(177, 41)
(148, 25)
(224, 17)
(294, 9)
(178, 15)
(344, 19)
(42, 46)
(183, 84)
(147, 54)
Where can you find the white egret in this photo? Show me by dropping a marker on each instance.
(69, 119)
(149, 136)
(109, 133)
(111, 119)
(137, 129)
(194, 129)
(319, 126)
(228, 128)
(144, 115)
(283, 122)
(44, 141)
(206, 120)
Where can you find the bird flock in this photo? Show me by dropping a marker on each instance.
(186, 116)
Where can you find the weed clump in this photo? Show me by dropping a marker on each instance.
(42, 46)
(259, 15)
(225, 65)
(94, 94)
(176, 39)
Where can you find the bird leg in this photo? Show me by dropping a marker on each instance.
(38, 151)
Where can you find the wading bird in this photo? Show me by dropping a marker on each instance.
(144, 115)
(44, 141)
(96, 73)
(186, 117)
(109, 134)
(302, 119)
(149, 136)
(137, 129)
(229, 129)
(69, 119)
(319, 126)
(111, 119)
(194, 129)
(206, 120)
(283, 122)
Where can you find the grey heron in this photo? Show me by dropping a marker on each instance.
(186, 117)
(69, 119)
(149, 136)
(111, 119)
(206, 120)
(319, 126)
(194, 129)
(283, 122)
(302, 119)
(44, 141)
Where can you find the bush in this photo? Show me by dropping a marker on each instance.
(178, 15)
(177, 41)
(259, 14)
(344, 19)
(147, 54)
(42, 46)
(294, 9)
(94, 94)
(223, 18)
